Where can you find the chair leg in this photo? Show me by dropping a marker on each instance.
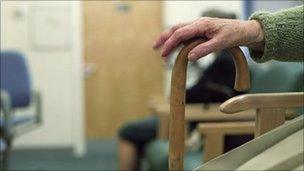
(268, 119)
(213, 146)
(2, 161)
(6, 157)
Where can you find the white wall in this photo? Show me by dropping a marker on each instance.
(272, 5)
(181, 11)
(56, 71)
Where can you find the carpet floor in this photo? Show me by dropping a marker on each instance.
(101, 155)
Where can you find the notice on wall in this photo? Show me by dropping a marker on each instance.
(50, 28)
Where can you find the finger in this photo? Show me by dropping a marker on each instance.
(181, 35)
(165, 35)
(205, 48)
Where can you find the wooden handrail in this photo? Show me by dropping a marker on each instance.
(177, 99)
(263, 100)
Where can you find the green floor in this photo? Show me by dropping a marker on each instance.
(101, 155)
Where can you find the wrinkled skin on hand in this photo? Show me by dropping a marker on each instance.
(221, 34)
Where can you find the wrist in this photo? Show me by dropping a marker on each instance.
(254, 35)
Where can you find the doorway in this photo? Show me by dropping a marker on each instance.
(122, 69)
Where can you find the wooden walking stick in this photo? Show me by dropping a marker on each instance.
(177, 100)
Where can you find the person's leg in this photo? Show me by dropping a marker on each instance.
(132, 138)
(128, 155)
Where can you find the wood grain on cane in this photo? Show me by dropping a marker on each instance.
(177, 100)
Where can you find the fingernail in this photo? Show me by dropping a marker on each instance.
(154, 45)
(163, 54)
(192, 56)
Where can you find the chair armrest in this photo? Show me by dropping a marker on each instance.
(197, 112)
(265, 100)
(270, 108)
(5, 104)
(227, 128)
(30, 122)
(37, 102)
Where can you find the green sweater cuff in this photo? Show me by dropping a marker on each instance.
(284, 35)
(271, 37)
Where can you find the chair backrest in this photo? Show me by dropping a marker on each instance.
(276, 77)
(15, 79)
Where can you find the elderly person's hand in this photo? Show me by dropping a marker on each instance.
(221, 34)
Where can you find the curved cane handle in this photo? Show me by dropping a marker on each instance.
(177, 100)
(242, 78)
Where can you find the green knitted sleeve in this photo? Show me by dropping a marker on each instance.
(284, 35)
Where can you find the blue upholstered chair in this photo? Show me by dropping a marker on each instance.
(16, 93)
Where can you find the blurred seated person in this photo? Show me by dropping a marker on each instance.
(215, 85)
